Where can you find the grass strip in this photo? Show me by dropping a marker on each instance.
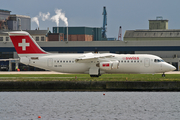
(86, 77)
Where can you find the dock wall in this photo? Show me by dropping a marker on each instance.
(87, 86)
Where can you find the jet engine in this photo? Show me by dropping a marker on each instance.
(108, 65)
(115, 65)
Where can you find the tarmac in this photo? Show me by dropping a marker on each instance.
(30, 72)
(52, 72)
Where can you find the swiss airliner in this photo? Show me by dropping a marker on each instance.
(94, 64)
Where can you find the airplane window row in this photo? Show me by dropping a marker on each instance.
(158, 60)
(63, 61)
(128, 61)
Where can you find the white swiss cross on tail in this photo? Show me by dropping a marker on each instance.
(23, 44)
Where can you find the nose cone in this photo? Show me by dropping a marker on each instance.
(173, 68)
(167, 67)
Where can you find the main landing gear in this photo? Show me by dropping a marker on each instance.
(94, 75)
(163, 75)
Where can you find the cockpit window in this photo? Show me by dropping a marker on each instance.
(158, 60)
(162, 60)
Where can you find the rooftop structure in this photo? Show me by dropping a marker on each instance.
(75, 33)
(158, 30)
(173, 34)
(159, 23)
(19, 22)
(38, 35)
(14, 22)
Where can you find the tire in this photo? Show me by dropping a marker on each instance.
(94, 75)
(163, 75)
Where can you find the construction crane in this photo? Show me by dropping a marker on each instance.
(104, 23)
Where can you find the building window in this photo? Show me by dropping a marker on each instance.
(6, 55)
(42, 38)
(37, 38)
(7, 38)
(1, 38)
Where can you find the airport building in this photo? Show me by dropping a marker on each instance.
(14, 22)
(157, 40)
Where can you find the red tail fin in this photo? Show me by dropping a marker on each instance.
(24, 43)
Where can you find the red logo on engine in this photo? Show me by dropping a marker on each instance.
(105, 65)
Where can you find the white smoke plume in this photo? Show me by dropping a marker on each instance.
(59, 15)
(41, 15)
(35, 19)
(44, 16)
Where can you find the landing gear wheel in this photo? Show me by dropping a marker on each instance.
(99, 74)
(163, 75)
(94, 75)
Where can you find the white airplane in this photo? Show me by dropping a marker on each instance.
(93, 64)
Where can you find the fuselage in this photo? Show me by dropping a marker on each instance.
(127, 63)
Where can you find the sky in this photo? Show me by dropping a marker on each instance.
(130, 14)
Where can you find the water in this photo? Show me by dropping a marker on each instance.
(90, 105)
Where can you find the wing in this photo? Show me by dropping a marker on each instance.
(91, 56)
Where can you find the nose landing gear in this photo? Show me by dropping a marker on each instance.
(163, 75)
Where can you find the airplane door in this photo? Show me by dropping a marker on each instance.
(50, 62)
(146, 62)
